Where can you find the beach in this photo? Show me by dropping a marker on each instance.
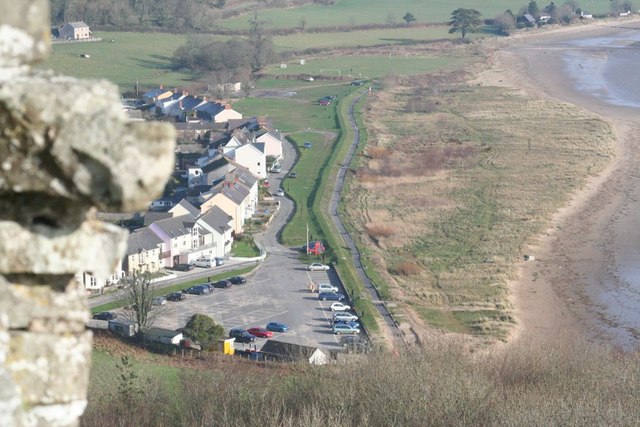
(584, 281)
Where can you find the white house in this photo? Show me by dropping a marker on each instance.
(74, 31)
(251, 156)
(214, 229)
(176, 236)
(272, 143)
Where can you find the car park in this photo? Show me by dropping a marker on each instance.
(277, 327)
(343, 315)
(105, 315)
(340, 328)
(176, 296)
(183, 267)
(330, 296)
(238, 280)
(159, 301)
(327, 287)
(280, 192)
(197, 290)
(316, 266)
(222, 284)
(260, 332)
(338, 306)
(241, 336)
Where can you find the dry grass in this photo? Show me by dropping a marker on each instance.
(465, 186)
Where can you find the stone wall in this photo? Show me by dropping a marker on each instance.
(66, 150)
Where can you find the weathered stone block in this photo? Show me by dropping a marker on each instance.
(24, 31)
(70, 139)
(49, 369)
(94, 246)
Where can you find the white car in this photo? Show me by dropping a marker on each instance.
(316, 266)
(338, 306)
(343, 315)
(326, 287)
(279, 192)
(159, 301)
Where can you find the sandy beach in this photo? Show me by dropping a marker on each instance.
(577, 285)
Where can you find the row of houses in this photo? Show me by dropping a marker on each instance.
(188, 108)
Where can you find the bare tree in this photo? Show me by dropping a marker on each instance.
(140, 302)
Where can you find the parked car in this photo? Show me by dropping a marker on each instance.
(205, 262)
(330, 296)
(292, 175)
(343, 315)
(197, 290)
(327, 287)
(238, 280)
(316, 266)
(307, 144)
(352, 323)
(176, 296)
(315, 248)
(159, 301)
(223, 284)
(260, 332)
(277, 327)
(279, 192)
(338, 306)
(276, 169)
(183, 267)
(266, 184)
(355, 343)
(105, 315)
(241, 336)
(219, 261)
(357, 83)
(339, 329)
(324, 102)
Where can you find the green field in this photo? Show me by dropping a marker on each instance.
(371, 66)
(361, 12)
(131, 57)
(362, 38)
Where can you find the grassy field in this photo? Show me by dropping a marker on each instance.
(131, 57)
(454, 183)
(388, 36)
(372, 65)
(360, 12)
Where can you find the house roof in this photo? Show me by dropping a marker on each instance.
(250, 123)
(188, 206)
(529, 17)
(236, 193)
(155, 92)
(288, 351)
(217, 219)
(150, 217)
(217, 163)
(190, 102)
(260, 146)
(77, 24)
(142, 239)
(185, 126)
(176, 226)
(211, 108)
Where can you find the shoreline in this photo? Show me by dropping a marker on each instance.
(556, 297)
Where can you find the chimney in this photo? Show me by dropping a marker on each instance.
(204, 98)
(161, 86)
(227, 107)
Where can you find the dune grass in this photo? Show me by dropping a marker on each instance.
(461, 181)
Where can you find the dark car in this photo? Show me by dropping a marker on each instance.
(292, 175)
(223, 284)
(330, 296)
(183, 267)
(176, 296)
(357, 83)
(353, 324)
(238, 280)
(241, 336)
(105, 315)
(197, 290)
(277, 327)
(260, 332)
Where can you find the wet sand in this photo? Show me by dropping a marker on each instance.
(581, 284)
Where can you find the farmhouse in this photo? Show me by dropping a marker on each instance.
(74, 31)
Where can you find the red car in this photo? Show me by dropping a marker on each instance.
(260, 332)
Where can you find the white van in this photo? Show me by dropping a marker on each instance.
(205, 261)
